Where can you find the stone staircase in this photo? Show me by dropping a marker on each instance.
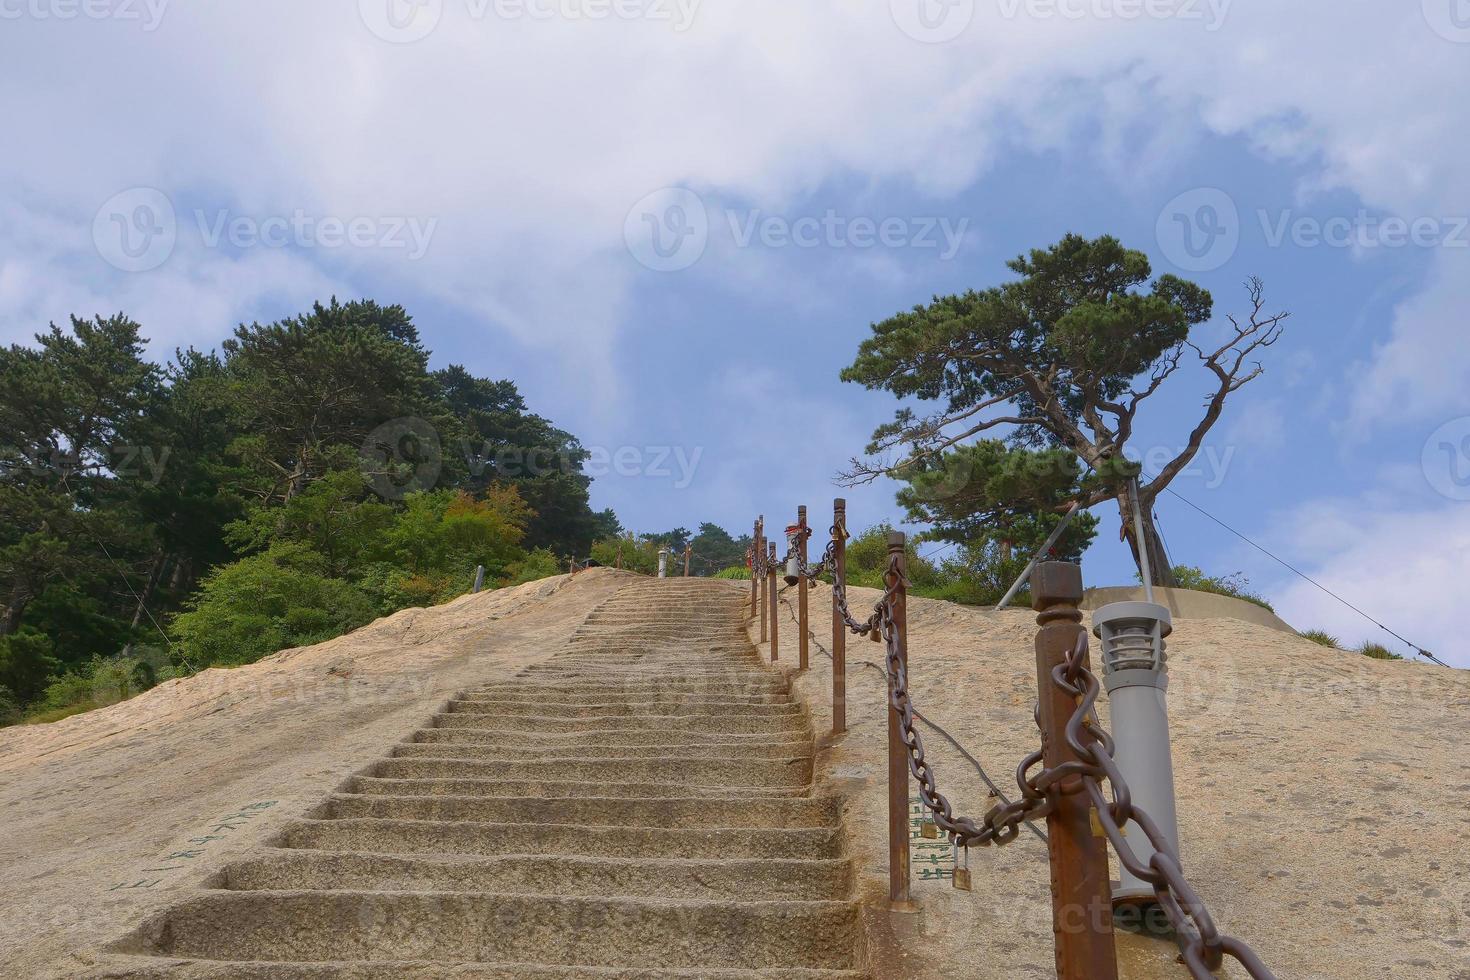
(638, 807)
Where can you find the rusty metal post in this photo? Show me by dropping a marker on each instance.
(688, 550)
(757, 582)
(839, 628)
(899, 896)
(1082, 908)
(803, 622)
(771, 596)
(619, 562)
(755, 543)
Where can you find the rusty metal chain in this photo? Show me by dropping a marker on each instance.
(984, 776)
(1203, 946)
(1200, 941)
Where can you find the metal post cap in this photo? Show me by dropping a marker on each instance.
(1145, 612)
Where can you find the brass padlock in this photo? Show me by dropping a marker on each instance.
(961, 879)
(929, 830)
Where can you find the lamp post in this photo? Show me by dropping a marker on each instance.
(1136, 676)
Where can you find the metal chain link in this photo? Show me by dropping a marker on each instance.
(1200, 941)
(1203, 946)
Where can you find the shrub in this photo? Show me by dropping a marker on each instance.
(735, 572)
(265, 603)
(1378, 651)
(26, 663)
(1322, 637)
(102, 681)
(1235, 584)
(539, 564)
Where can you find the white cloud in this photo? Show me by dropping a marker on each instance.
(529, 139)
(1404, 567)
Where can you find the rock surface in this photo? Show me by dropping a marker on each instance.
(371, 784)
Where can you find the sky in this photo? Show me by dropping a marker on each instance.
(671, 222)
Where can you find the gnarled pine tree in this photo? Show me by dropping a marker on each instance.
(1065, 356)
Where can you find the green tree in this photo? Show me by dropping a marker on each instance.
(280, 598)
(715, 549)
(499, 441)
(1058, 355)
(987, 494)
(311, 390)
(64, 405)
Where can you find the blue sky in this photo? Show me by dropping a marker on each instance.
(494, 165)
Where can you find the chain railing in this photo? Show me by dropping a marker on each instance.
(1062, 781)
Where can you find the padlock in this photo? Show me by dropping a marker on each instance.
(929, 830)
(961, 879)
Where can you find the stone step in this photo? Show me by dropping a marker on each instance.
(470, 837)
(138, 968)
(571, 709)
(533, 725)
(800, 812)
(629, 738)
(474, 927)
(614, 696)
(461, 749)
(707, 772)
(370, 785)
(726, 879)
(741, 682)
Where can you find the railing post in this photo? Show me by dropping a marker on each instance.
(1082, 909)
(771, 603)
(757, 581)
(899, 896)
(663, 562)
(479, 578)
(688, 550)
(839, 628)
(803, 623)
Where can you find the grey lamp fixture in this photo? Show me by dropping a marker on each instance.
(1136, 675)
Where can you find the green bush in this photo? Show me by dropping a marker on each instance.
(1235, 584)
(26, 663)
(1378, 651)
(265, 603)
(102, 681)
(636, 554)
(539, 564)
(734, 572)
(1323, 637)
